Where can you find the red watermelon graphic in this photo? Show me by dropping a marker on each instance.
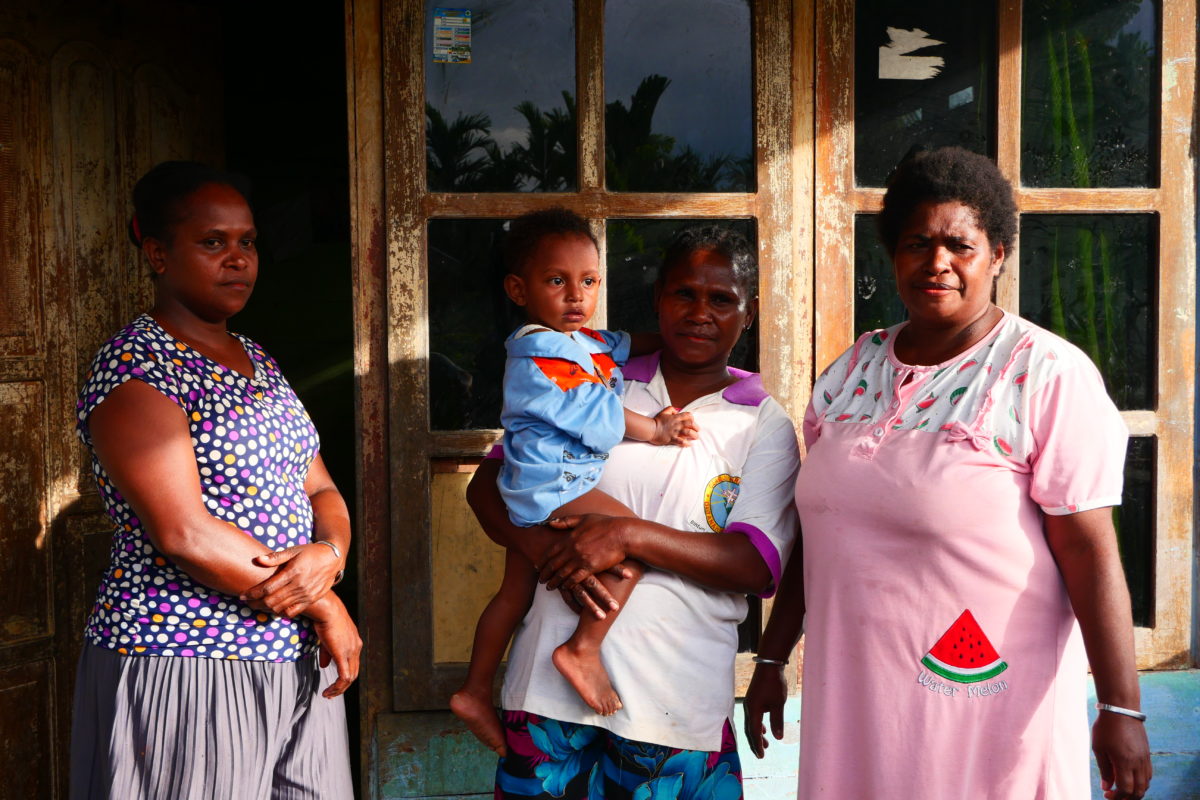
(964, 654)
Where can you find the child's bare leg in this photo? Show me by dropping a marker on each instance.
(473, 702)
(578, 658)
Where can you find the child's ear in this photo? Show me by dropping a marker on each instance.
(514, 287)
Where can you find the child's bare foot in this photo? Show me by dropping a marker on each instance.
(582, 668)
(481, 718)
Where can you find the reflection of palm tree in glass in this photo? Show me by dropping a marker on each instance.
(462, 156)
(640, 160)
(547, 161)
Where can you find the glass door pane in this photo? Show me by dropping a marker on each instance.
(500, 97)
(635, 251)
(923, 74)
(678, 93)
(469, 319)
(1087, 277)
(1089, 98)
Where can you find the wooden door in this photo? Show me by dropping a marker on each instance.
(91, 95)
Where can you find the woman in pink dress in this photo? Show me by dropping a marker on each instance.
(959, 568)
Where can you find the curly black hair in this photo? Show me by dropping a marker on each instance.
(949, 174)
(158, 196)
(726, 241)
(527, 230)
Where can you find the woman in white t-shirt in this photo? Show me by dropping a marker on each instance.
(671, 652)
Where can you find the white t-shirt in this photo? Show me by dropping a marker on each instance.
(670, 654)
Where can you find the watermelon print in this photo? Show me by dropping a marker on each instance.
(1004, 448)
(923, 424)
(877, 395)
(968, 365)
(879, 338)
(1012, 412)
(864, 418)
(963, 654)
(828, 397)
(1020, 378)
(957, 395)
(861, 389)
(842, 417)
(927, 402)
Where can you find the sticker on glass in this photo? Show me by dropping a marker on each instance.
(895, 63)
(452, 35)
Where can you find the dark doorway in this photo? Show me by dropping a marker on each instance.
(285, 128)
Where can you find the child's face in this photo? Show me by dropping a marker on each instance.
(560, 285)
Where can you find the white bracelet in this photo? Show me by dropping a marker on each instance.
(341, 573)
(331, 546)
(1129, 712)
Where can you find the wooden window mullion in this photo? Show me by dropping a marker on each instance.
(1008, 135)
(589, 82)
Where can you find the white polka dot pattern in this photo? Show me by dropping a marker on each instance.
(254, 443)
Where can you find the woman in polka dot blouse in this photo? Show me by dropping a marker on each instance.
(216, 654)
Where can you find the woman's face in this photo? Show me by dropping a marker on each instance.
(702, 310)
(945, 266)
(211, 262)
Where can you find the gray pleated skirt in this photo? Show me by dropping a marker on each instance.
(151, 727)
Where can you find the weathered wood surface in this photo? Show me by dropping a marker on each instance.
(85, 105)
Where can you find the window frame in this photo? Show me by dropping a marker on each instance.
(1168, 642)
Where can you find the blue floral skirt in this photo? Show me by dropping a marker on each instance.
(567, 761)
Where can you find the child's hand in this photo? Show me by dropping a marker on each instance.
(672, 426)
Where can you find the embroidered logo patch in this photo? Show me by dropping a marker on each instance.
(719, 497)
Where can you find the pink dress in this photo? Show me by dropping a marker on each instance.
(942, 657)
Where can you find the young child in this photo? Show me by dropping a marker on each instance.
(562, 414)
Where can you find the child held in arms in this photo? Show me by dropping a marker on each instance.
(562, 414)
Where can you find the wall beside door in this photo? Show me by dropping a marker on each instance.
(91, 95)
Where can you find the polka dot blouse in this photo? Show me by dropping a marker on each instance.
(254, 443)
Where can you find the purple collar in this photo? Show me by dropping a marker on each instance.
(747, 391)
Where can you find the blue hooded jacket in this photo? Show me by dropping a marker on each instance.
(562, 414)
